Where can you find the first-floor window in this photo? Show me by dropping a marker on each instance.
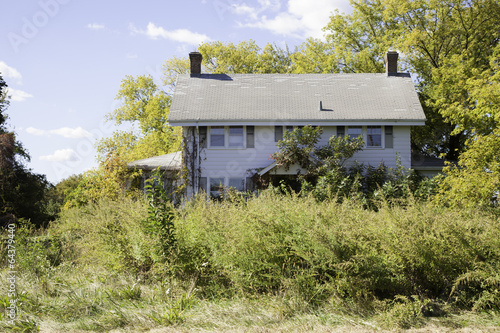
(219, 184)
(237, 183)
(374, 136)
(216, 186)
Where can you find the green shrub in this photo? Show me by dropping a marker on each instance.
(286, 243)
(160, 218)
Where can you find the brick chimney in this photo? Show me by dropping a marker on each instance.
(391, 63)
(195, 59)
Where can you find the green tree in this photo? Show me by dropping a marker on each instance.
(314, 56)
(300, 146)
(323, 165)
(245, 58)
(429, 34)
(22, 192)
(476, 179)
(360, 39)
(144, 108)
(57, 195)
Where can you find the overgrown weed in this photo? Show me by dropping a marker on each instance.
(279, 257)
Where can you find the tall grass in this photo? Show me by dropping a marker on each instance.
(324, 249)
(284, 256)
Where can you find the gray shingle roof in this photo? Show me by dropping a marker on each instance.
(294, 97)
(170, 161)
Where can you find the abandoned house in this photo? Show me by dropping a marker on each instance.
(232, 122)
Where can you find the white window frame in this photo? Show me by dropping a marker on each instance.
(364, 131)
(226, 138)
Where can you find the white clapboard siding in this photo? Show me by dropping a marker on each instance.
(242, 162)
(402, 147)
(239, 162)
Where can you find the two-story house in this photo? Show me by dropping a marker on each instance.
(232, 122)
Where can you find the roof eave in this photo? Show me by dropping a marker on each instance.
(249, 122)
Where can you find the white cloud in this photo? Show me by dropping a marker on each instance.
(67, 132)
(18, 95)
(253, 13)
(95, 26)
(72, 133)
(283, 24)
(36, 131)
(177, 35)
(300, 20)
(10, 73)
(61, 155)
(244, 9)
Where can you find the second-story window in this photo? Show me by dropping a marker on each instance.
(227, 137)
(235, 136)
(355, 131)
(217, 136)
(374, 136)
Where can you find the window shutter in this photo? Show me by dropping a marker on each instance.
(203, 185)
(250, 137)
(278, 133)
(203, 136)
(388, 137)
(340, 131)
(250, 186)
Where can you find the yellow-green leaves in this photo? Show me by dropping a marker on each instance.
(143, 102)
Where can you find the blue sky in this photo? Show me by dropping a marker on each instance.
(64, 59)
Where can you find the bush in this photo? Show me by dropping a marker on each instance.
(308, 254)
(291, 244)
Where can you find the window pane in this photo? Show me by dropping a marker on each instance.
(217, 136)
(216, 186)
(355, 131)
(217, 130)
(236, 136)
(236, 130)
(374, 136)
(217, 140)
(374, 130)
(235, 141)
(237, 183)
